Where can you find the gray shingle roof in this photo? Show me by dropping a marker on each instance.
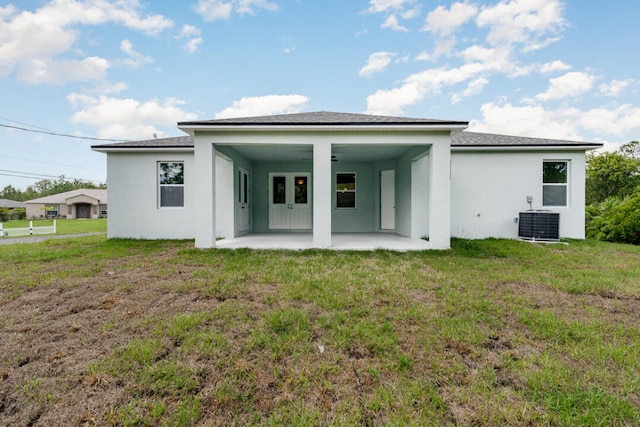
(10, 204)
(174, 142)
(321, 118)
(475, 139)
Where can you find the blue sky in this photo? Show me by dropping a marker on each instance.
(129, 69)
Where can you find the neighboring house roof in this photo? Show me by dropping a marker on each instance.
(99, 194)
(10, 204)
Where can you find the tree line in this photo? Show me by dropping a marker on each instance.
(45, 187)
(613, 195)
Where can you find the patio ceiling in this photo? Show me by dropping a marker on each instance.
(343, 153)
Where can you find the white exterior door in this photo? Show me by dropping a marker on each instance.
(290, 201)
(243, 200)
(388, 200)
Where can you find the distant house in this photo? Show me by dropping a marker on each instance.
(75, 204)
(320, 176)
(11, 204)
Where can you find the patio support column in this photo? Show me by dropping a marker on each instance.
(322, 194)
(203, 182)
(440, 195)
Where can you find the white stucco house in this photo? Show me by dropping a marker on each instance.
(322, 178)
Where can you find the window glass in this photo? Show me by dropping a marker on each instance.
(171, 181)
(346, 190)
(554, 173)
(555, 180)
(300, 187)
(51, 211)
(279, 190)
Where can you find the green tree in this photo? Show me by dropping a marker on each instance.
(632, 149)
(11, 193)
(614, 174)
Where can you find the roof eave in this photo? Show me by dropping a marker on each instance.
(191, 128)
(538, 147)
(142, 149)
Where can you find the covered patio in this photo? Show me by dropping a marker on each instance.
(331, 180)
(339, 241)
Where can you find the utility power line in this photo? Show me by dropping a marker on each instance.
(66, 135)
(37, 176)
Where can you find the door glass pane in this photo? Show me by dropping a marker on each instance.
(301, 189)
(239, 187)
(245, 187)
(279, 190)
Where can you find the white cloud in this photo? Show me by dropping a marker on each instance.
(395, 9)
(480, 62)
(571, 84)
(615, 88)
(445, 46)
(377, 62)
(192, 45)
(378, 6)
(561, 123)
(522, 21)
(135, 59)
(392, 23)
(531, 120)
(551, 67)
(128, 118)
(444, 22)
(290, 48)
(473, 88)
(213, 10)
(194, 40)
(424, 56)
(38, 71)
(264, 106)
(35, 40)
(415, 87)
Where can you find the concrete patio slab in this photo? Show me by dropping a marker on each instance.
(339, 241)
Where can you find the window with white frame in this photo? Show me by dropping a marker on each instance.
(346, 190)
(555, 182)
(171, 184)
(103, 210)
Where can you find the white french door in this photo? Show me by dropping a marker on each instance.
(290, 201)
(243, 199)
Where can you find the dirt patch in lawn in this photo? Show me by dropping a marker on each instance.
(232, 348)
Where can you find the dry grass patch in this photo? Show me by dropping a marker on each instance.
(489, 333)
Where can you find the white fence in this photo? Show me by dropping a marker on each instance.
(27, 231)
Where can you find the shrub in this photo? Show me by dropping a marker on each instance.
(615, 220)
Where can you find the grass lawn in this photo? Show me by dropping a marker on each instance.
(135, 333)
(64, 226)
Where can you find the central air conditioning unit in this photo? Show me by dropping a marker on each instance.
(539, 225)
